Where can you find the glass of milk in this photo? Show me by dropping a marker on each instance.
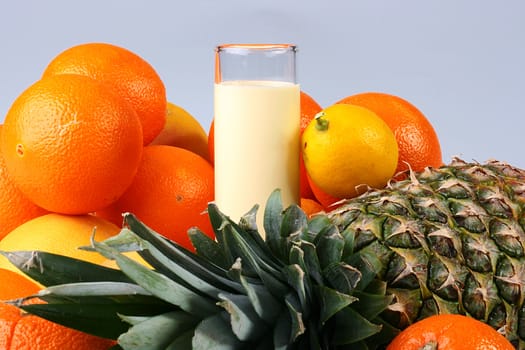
(257, 116)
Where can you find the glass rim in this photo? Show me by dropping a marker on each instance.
(251, 47)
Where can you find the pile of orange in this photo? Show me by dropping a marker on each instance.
(77, 141)
(93, 137)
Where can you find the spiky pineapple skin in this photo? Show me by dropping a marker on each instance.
(446, 240)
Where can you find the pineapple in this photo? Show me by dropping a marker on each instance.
(446, 240)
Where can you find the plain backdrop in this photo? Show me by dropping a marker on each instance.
(460, 62)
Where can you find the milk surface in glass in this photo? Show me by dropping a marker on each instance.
(256, 145)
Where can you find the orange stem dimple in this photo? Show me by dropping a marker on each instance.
(431, 345)
(20, 149)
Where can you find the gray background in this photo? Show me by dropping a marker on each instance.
(460, 62)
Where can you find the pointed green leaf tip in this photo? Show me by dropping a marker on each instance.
(332, 302)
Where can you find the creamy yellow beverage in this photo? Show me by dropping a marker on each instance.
(256, 145)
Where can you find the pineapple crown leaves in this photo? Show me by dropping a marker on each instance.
(230, 294)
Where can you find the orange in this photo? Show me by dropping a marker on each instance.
(183, 130)
(211, 141)
(347, 149)
(309, 108)
(19, 331)
(14, 285)
(311, 206)
(15, 208)
(416, 138)
(450, 332)
(59, 234)
(326, 200)
(170, 193)
(71, 145)
(126, 73)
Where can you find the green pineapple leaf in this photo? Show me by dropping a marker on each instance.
(124, 240)
(371, 305)
(248, 223)
(100, 324)
(384, 336)
(158, 332)
(377, 286)
(281, 331)
(81, 289)
(293, 227)
(264, 303)
(296, 278)
(272, 224)
(173, 260)
(97, 314)
(316, 225)
(160, 285)
(268, 273)
(51, 269)
(368, 263)
(133, 320)
(350, 327)
(342, 277)
(183, 341)
(294, 223)
(313, 339)
(311, 261)
(215, 333)
(245, 323)
(176, 263)
(296, 316)
(218, 221)
(331, 302)
(329, 244)
(207, 248)
(250, 238)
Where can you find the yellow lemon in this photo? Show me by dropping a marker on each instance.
(184, 131)
(347, 148)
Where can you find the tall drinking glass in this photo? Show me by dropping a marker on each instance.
(257, 116)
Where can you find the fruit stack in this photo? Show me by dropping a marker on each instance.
(94, 137)
(387, 241)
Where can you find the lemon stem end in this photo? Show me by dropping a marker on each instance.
(321, 123)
